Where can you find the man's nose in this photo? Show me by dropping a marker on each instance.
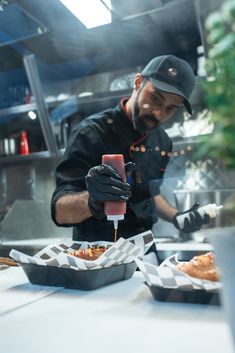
(158, 114)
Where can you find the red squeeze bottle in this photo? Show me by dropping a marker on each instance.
(24, 147)
(115, 210)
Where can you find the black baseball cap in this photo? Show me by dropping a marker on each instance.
(171, 74)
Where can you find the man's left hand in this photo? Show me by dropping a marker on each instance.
(192, 221)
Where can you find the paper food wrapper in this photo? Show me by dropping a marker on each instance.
(168, 276)
(121, 252)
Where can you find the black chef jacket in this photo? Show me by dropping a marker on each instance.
(111, 132)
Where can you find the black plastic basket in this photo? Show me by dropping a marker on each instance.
(196, 296)
(77, 279)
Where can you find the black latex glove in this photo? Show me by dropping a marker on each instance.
(105, 184)
(193, 221)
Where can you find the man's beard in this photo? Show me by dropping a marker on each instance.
(143, 123)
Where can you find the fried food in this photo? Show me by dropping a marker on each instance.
(202, 266)
(91, 253)
(7, 261)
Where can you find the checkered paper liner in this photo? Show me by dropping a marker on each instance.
(122, 252)
(168, 276)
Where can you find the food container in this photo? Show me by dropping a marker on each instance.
(74, 279)
(168, 284)
(199, 296)
(55, 266)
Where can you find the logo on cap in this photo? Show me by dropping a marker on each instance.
(172, 72)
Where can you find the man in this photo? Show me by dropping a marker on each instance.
(133, 129)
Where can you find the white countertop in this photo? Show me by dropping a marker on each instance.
(116, 318)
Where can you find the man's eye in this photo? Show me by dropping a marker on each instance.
(156, 99)
(171, 109)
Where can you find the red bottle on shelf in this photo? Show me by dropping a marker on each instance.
(24, 146)
(115, 210)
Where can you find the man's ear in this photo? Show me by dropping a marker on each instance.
(138, 80)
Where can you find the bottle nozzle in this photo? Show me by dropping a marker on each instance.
(115, 219)
(115, 223)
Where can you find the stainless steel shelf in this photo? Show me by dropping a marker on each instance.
(22, 158)
(18, 109)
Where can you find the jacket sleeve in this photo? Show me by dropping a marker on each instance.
(82, 153)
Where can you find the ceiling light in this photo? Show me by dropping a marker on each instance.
(91, 13)
(32, 115)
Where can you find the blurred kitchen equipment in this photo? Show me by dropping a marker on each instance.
(65, 131)
(8, 146)
(62, 131)
(123, 82)
(4, 147)
(12, 143)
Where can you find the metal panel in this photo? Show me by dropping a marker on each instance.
(29, 219)
(35, 84)
(18, 182)
(44, 179)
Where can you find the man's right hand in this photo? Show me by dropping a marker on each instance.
(105, 184)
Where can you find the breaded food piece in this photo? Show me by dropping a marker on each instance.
(202, 266)
(91, 253)
(7, 261)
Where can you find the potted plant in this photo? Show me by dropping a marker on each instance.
(219, 93)
(220, 96)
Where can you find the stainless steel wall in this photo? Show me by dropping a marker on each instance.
(26, 187)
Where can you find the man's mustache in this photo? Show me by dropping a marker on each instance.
(151, 118)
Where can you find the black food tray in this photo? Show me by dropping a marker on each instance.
(197, 296)
(77, 279)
